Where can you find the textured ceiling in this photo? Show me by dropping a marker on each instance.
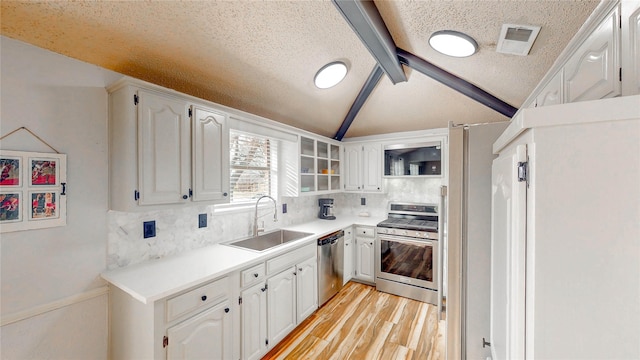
(261, 57)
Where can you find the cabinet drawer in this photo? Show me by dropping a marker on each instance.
(197, 298)
(252, 275)
(365, 231)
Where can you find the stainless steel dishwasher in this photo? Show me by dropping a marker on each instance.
(330, 265)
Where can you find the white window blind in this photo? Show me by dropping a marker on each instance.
(252, 159)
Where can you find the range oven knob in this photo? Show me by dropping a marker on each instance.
(403, 232)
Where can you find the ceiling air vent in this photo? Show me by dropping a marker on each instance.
(517, 39)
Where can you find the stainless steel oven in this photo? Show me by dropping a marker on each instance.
(407, 262)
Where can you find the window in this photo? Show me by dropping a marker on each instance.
(253, 166)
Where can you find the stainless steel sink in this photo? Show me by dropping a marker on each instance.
(268, 240)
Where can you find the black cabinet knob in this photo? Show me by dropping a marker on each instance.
(255, 275)
(185, 197)
(226, 310)
(224, 194)
(204, 298)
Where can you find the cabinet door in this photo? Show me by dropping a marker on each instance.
(306, 288)
(508, 217)
(348, 255)
(210, 155)
(163, 149)
(204, 336)
(353, 167)
(281, 305)
(364, 259)
(593, 71)
(630, 47)
(254, 322)
(372, 167)
(552, 92)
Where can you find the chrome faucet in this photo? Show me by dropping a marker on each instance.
(257, 229)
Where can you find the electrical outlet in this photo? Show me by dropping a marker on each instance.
(363, 201)
(202, 220)
(284, 208)
(149, 229)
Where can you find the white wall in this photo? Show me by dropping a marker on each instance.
(64, 101)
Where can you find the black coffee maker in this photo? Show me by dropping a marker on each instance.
(326, 209)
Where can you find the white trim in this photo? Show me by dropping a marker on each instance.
(54, 305)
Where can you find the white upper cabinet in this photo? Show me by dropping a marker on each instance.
(630, 11)
(552, 92)
(163, 148)
(593, 71)
(353, 167)
(363, 167)
(372, 167)
(166, 148)
(210, 155)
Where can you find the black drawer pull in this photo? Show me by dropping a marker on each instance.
(255, 275)
(226, 310)
(204, 298)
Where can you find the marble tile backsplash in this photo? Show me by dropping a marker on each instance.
(177, 229)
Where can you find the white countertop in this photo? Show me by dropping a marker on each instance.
(157, 279)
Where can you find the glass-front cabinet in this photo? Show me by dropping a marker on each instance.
(319, 166)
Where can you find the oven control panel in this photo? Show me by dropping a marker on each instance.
(408, 233)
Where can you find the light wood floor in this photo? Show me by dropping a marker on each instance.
(362, 323)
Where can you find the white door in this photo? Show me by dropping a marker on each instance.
(281, 305)
(210, 155)
(508, 225)
(364, 259)
(593, 71)
(204, 336)
(254, 322)
(163, 149)
(353, 167)
(306, 288)
(372, 167)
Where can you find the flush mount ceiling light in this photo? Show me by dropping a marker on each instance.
(330, 75)
(453, 43)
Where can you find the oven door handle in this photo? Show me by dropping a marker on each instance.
(406, 241)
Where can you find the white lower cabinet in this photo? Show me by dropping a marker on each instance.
(277, 300)
(306, 288)
(204, 336)
(291, 297)
(200, 323)
(254, 321)
(365, 254)
(281, 305)
(347, 272)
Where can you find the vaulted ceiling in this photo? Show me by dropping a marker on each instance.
(261, 56)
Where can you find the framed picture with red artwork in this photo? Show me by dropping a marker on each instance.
(32, 190)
